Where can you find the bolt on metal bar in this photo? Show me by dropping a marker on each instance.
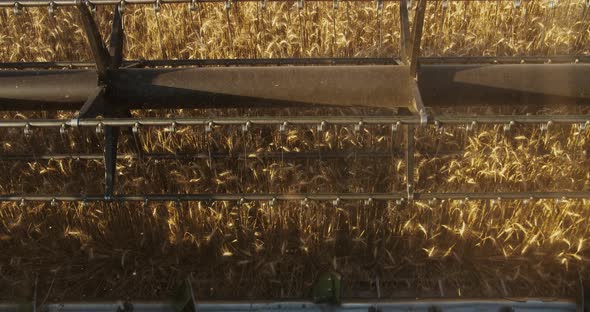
(298, 121)
(242, 197)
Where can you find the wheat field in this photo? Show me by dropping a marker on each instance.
(257, 250)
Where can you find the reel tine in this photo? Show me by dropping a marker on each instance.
(17, 9)
(52, 9)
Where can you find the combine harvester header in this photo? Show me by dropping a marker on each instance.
(415, 88)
